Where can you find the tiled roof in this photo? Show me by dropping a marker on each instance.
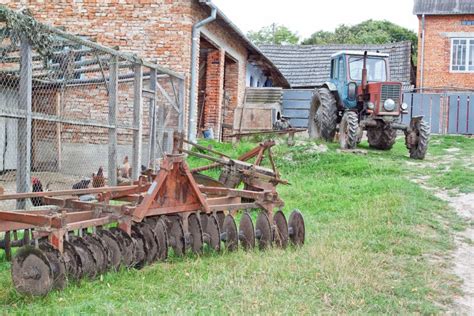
(306, 66)
(443, 7)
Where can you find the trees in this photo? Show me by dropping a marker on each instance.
(274, 34)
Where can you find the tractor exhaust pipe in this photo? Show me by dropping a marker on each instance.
(364, 74)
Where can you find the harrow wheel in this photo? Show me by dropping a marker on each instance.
(246, 232)
(32, 272)
(57, 264)
(139, 259)
(72, 261)
(99, 253)
(280, 235)
(194, 235)
(175, 232)
(114, 255)
(296, 228)
(126, 245)
(88, 265)
(263, 231)
(212, 233)
(230, 234)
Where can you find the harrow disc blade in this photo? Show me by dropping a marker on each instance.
(32, 273)
(212, 232)
(114, 256)
(263, 231)
(57, 264)
(246, 232)
(88, 265)
(151, 247)
(72, 261)
(195, 234)
(220, 219)
(230, 233)
(296, 228)
(161, 238)
(139, 248)
(175, 232)
(99, 252)
(280, 235)
(126, 246)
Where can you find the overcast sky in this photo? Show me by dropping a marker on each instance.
(308, 16)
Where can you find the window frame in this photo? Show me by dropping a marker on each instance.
(469, 43)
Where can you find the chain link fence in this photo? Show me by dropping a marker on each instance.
(78, 114)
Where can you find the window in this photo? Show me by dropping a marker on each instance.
(341, 69)
(376, 69)
(462, 55)
(333, 69)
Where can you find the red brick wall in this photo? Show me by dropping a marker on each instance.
(438, 52)
(214, 92)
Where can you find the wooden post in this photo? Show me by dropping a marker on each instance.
(23, 168)
(113, 101)
(152, 113)
(181, 105)
(137, 121)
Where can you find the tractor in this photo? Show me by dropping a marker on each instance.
(361, 97)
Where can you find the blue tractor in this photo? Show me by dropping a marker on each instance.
(360, 97)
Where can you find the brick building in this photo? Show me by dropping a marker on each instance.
(446, 44)
(161, 30)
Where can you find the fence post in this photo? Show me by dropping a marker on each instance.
(181, 105)
(137, 121)
(152, 113)
(113, 101)
(23, 169)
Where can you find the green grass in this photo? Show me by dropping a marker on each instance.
(375, 244)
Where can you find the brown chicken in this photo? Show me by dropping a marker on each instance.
(98, 180)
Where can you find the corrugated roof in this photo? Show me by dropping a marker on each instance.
(306, 66)
(443, 7)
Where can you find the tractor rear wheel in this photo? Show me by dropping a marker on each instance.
(349, 130)
(417, 140)
(323, 115)
(382, 137)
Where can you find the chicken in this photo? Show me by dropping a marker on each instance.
(37, 187)
(83, 184)
(98, 180)
(125, 170)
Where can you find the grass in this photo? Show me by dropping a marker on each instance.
(375, 244)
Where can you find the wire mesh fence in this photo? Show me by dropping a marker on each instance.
(78, 114)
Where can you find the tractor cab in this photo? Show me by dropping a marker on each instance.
(362, 80)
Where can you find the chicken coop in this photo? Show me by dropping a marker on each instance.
(72, 110)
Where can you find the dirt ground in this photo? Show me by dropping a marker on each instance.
(463, 257)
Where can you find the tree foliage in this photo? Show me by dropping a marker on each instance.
(367, 32)
(274, 34)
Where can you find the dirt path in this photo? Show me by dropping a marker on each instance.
(463, 257)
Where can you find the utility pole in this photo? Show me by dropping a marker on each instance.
(274, 33)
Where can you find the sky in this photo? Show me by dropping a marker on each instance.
(308, 16)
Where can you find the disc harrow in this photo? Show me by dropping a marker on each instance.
(175, 211)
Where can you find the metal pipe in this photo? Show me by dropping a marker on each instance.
(422, 71)
(192, 128)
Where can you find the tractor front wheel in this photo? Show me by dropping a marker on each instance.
(349, 130)
(417, 139)
(323, 115)
(382, 137)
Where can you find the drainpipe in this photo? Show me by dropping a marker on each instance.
(192, 128)
(422, 71)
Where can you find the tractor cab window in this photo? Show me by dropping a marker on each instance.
(334, 69)
(341, 69)
(376, 69)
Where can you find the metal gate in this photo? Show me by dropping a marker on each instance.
(447, 113)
